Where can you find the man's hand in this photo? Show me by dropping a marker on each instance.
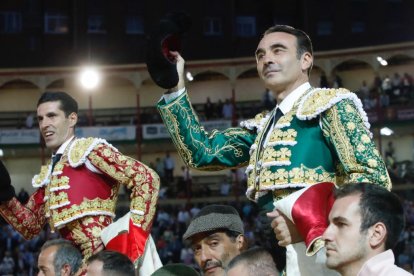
(178, 59)
(284, 229)
(6, 189)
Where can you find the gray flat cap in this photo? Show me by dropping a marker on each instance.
(213, 217)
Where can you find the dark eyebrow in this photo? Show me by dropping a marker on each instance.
(47, 115)
(339, 219)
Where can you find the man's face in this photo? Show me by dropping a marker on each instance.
(55, 127)
(277, 62)
(214, 251)
(95, 268)
(45, 262)
(346, 246)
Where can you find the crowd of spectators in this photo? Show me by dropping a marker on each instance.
(19, 257)
(387, 91)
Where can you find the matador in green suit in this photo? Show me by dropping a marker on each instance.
(313, 135)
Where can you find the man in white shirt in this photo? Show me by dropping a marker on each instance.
(364, 225)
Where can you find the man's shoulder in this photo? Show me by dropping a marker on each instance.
(257, 122)
(318, 100)
(82, 147)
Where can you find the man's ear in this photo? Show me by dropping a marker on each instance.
(307, 61)
(377, 235)
(241, 242)
(66, 270)
(73, 118)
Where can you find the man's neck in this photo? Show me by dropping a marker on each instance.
(353, 269)
(62, 147)
(280, 93)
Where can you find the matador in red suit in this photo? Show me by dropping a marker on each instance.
(77, 193)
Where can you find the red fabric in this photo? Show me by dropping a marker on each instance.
(84, 184)
(310, 211)
(131, 243)
(170, 43)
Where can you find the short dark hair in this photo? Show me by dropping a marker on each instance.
(66, 253)
(257, 261)
(67, 103)
(377, 204)
(303, 41)
(114, 263)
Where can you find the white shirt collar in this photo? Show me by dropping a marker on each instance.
(287, 104)
(62, 148)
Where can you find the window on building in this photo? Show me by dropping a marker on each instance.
(246, 26)
(358, 27)
(134, 24)
(56, 23)
(324, 28)
(212, 26)
(10, 22)
(96, 24)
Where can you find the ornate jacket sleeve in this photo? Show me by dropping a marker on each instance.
(27, 219)
(201, 150)
(142, 180)
(359, 158)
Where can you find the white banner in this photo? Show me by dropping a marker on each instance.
(110, 133)
(19, 136)
(32, 136)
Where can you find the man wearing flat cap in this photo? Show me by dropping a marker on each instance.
(217, 236)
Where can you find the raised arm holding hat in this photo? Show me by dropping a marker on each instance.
(313, 135)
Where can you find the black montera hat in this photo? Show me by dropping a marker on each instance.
(214, 217)
(167, 37)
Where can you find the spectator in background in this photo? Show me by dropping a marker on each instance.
(209, 109)
(159, 167)
(387, 90)
(396, 84)
(225, 187)
(227, 111)
(323, 81)
(219, 109)
(407, 84)
(59, 257)
(364, 95)
(252, 262)
(29, 120)
(364, 225)
(337, 82)
(112, 263)
(186, 180)
(7, 264)
(216, 234)
(169, 168)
